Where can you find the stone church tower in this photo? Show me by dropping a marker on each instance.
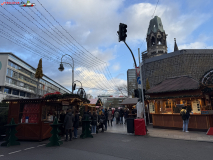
(156, 38)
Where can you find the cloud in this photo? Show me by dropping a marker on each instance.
(94, 24)
(116, 67)
(195, 45)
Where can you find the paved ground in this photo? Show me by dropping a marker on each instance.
(165, 133)
(110, 146)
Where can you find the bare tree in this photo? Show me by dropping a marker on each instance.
(126, 90)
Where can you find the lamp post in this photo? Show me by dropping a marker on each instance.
(61, 68)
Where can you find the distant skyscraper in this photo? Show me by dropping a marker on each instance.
(131, 81)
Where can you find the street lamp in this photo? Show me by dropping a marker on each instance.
(61, 68)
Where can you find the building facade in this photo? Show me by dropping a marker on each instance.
(17, 79)
(131, 81)
(158, 65)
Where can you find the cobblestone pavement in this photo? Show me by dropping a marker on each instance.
(164, 133)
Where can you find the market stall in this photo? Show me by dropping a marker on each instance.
(167, 99)
(34, 116)
(130, 103)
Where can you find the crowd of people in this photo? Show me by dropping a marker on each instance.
(100, 119)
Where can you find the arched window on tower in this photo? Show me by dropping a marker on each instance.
(153, 41)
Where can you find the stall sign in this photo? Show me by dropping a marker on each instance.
(151, 108)
(65, 103)
(196, 107)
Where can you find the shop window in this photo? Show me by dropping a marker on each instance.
(29, 113)
(22, 94)
(49, 113)
(7, 90)
(15, 92)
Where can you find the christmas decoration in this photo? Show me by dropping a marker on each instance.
(99, 102)
(147, 84)
(86, 129)
(55, 139)
(11, 138)
(39, 74)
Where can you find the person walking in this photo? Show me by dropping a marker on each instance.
(68, 123)
(76, 124)
(121, 114)
(126, 113)
(113, 111)
(102, 120)
(94, 122)
(117, 116)
(185, 116)
(106, 119)
(110, 116)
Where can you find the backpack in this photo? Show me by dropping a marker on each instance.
(183, 114)
(110, 113)
(116, 114)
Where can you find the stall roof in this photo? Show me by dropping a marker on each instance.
(76, 97)
(175, 84)
(93, 101)
(129, 101)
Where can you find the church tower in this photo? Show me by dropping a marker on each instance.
(156, 38)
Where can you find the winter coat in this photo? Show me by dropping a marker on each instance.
(106, 115)
(62, 117)
(76, 122)
(126, 114)
(110, 115)
(94, 120)
(121, 113)
(68, 121)
(103, 118)
(116, 114)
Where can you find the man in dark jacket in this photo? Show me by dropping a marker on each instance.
(102, 120)
(185, 116)
(68, 123)
(121, 114)
(106, 116)
(76, 124)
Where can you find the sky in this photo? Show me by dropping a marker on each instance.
(100, 61)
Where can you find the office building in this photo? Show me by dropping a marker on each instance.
(17, 79)
(131, 81)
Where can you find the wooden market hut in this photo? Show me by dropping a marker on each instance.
(40, 114)
(92, 105)
(167, 98)
(129, 103)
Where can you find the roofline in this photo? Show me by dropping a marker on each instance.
(32, 67)
(176, 53)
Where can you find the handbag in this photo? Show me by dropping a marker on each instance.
(101, 120)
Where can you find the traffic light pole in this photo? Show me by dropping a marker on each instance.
(136, 85)
(143, 103)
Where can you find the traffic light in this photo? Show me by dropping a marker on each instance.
(136, 91)
(122, 32)
(138, 94)
(74, 86)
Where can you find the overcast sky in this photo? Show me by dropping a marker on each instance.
(94, 25)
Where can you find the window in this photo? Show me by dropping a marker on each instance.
(22, 94)
(28, 95)
(15, 92)
(7, 90)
